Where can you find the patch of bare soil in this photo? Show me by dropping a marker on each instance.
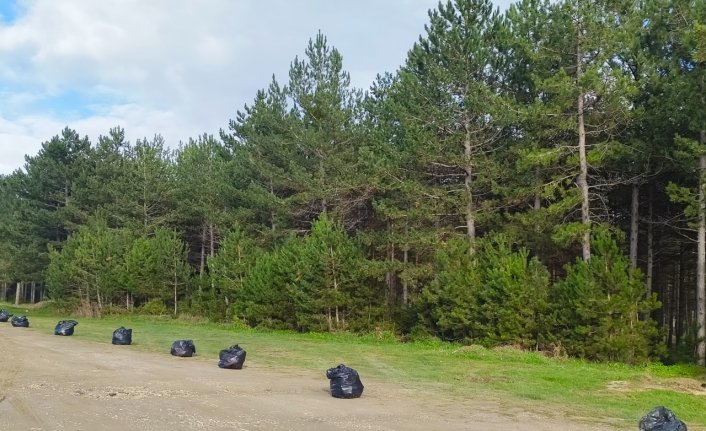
(685, 385)
(62, 383)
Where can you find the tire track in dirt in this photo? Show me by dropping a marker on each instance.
(24, 408)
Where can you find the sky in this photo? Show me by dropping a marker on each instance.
(178, 68)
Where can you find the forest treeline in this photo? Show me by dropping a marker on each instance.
(533, 178)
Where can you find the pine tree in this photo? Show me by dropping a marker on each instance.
(338, 281)
(402, 233)
(513, 295)
(326, 137)
(47, 184)
(42, 203)
(599, 304)
(265, 299)
(450, 305)
(308, 283)
(581, 102)
(265, 165)
(204, 196)
(495, 295)
(149, 203)
(89, 268)
(538, 179)
(105, 182)
(454, 112)
(236, 257)
(156, 269)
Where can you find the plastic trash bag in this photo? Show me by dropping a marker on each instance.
(5, 315)
(65, 327)
(183, 348)
(122, 336)
(20, 321)
(345, 382)
(233, 357)
(661, 419)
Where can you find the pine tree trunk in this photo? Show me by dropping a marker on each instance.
(241, 274)
(18, 293)
(212, 241)
(582, 181)
(273, 219)
(322, 184)
(701, 254)
(175, 292)
(144, 199)
(674, 305)
(634, 221)
(650, 245)
(668, 304)
(468, 179)
(679, 302)
(390, 274)
(335, 288)
(405, 289)
(3, 293)
(202, 262)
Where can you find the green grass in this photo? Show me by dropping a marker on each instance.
(614, 393)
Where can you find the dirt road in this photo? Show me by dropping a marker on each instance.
(63, 383)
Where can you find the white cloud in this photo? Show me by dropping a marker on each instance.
(174, 67)
(19, 137)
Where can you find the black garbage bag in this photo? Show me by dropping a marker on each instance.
(183, 348)
(122, 336)
(345, 382)
(65, 327)
(233, 357)
(20, 321)
(5, 315)
(661, 419)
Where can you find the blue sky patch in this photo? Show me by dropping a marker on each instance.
(70, 104)
(9, 9)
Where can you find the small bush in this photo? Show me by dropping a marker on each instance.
(67, 306)
(114, 310)
(239, 325)
(154, 307)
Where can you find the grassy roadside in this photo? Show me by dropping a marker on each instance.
(614, 392)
